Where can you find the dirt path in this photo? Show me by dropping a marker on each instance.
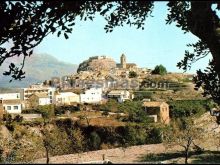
(117, 155)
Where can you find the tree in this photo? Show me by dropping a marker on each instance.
(28, 23)
(159, 69)
(46, 138)
(132, 74)
(184, 137)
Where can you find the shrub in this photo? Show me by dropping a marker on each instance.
(159, 69)
(138, 96)
(59, 110)
(105, 113)
(155, 136)
(7, 117)
(111, 106)
(47, 111)
(132, 74)
(10, 126)
(186, 108)
(18, 118)
(95, 141)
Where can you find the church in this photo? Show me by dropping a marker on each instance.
(124, 64)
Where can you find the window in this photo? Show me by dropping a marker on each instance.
(50, 92)
(8, 107)
(16, 107)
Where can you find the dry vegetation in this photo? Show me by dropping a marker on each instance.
(103, 121)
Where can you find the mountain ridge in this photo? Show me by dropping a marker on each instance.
(38, 67)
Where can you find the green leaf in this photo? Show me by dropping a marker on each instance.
(12, 65)
(72, 24)
(58, 34)
(66, 36)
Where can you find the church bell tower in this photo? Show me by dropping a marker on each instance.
(123, 61)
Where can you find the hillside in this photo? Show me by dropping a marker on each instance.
(38, 67)
(138, 154)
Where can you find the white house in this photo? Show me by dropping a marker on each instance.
(40, 89)
(120, 95)
(11, 102)
(66, 98)
(9, 96)
(92, 95)
(11, 106)
(38, 99)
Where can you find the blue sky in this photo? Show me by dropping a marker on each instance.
(157, 44)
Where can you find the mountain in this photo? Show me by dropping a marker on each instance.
(38, 67)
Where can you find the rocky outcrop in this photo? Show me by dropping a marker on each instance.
(97, 63)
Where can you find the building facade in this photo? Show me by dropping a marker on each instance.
(158, 109)
(10, 103)
(92, 95)
(67, 98)
(37, 99)
(119, 95)
(40, 89)
(11, 106)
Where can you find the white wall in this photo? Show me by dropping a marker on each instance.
(93, 95)
(67, 98)
(12, 108)
(44, 101)
(50, 91)
(51, 94)
(124, 95)
(10, 96)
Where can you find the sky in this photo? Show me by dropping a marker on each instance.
(157, 44)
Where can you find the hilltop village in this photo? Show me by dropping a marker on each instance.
(97, 80)
(104, 105)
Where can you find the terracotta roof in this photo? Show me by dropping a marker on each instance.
(153, 103)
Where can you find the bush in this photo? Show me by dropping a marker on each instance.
(7, 117)
(10, 126)
(138, 96)
(95, 141)
(111, 106)
(155, 136)
(105, 113)
(59, 110)
(47, 111)
(132, 74)
(186, 108)
(18, 118)
(159, 69)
